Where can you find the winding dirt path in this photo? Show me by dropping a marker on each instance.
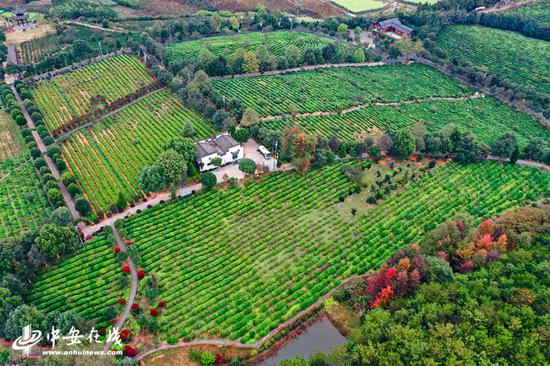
(366, 105)
(133, 287)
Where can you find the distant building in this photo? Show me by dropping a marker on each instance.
(394, 25)
(223, 146)
(20, 16)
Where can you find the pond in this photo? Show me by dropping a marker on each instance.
(321, 336)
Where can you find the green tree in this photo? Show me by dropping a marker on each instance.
(62, 216)
(192, 170)
(293, 55)
(469, 150)
(217, 161)
(83, 206)
(53, 240)
(208, 180)
(151, 179)
(250, 63)
(250, 117)
(205, 56)
(241, 134)
(534, 150)
(247, 166)
(207, 358)
(188, 130)
(404, 143)
(173, 167)
(184, 146)
(121, 202)
(408, 47)
(505, 145)
(515, 156)
(359, 56)
(235, 24)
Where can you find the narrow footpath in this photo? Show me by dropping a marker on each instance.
(133, 287)
(43, 149)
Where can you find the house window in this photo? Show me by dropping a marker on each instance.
(235, 155)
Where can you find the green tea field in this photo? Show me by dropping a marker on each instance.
(486, 117)
(107, 158)
(69, 96)
(23, 203)
(339, 88)
(276, 43)
(237, 263)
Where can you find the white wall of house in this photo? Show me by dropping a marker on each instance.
(236, 153)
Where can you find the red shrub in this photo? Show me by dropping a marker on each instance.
(125, 334)
(121, 301)
(102, 331)
(135, 307)
(129, 243)
(382, 298)
(154, 312)
(130, 351)
(466, 267)
(117, 250)
(126, 269)
(141, 274)
(162, 304)
(219, 359)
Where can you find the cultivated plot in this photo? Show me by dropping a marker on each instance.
(107, 158)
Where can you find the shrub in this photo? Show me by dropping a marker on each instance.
(68, 178)
(74, 189)
(83, 207)
(208, 180)
(247, 166)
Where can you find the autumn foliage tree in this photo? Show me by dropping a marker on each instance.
(297, 146)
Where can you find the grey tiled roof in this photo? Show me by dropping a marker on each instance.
(220, 145)
(396, 24)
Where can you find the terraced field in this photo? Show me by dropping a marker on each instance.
(339, 88)
(66, 97)
(84, 283)
(108, 157)
(486, 117)
(237, 263)
(23, 203)
(37, 49)
(276, 42)
(11, 143)
(521, 60)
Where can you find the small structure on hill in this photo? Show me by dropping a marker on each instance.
(223, 146)
(395, 26)
(20, 17)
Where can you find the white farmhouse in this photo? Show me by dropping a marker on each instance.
(223, 146)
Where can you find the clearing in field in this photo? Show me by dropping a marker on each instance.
(358, 6)
(11, 143)
(67, 97)
(276, 42)
(23, 203)
(107, 158)
(237, 263)
(486, 117)
(521, 60)
(335, 89)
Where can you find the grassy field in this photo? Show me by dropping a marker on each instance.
(358, 6)
(23, 203)
(108, 157)
(237, 263)
(11, 143)
(84, 283)
(276, 42)
(66, 97)
(339, 88)
(486, 117)
(523, 61)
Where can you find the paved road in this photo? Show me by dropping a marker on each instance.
(133, 287)
(521, 162)
(12, 55)
(43, 149)
(231, 170)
